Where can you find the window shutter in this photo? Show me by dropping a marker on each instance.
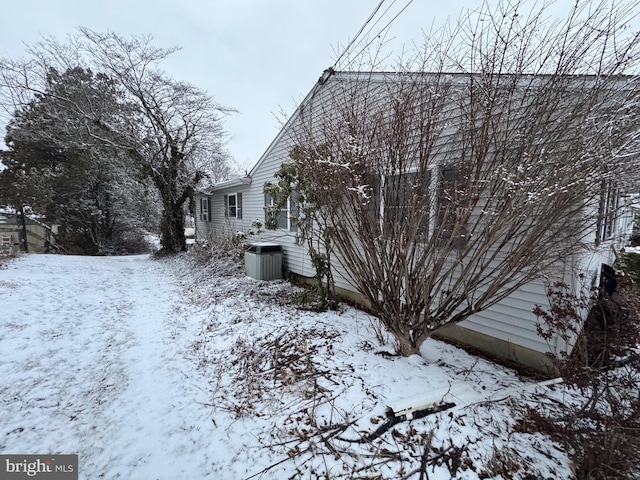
(446, 201)
(239, 205)
(208, 209)
(294, 210)
(226, 205)
(423, 203)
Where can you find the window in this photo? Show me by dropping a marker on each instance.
(205, 209)
(452, 214)
(283, 218)
(233, 205)
(406, 199)
(607, 210)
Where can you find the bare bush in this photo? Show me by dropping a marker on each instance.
(224, 253)
(476, 166)
(602, 430)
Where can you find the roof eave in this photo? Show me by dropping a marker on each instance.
(234, 182)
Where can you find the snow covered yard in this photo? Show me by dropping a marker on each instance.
(163, 369)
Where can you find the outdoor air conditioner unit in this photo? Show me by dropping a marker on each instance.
(263, 261)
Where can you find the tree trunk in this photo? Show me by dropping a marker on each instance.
(172, 225)
(407, 347)
(22, 230)
(409, 340)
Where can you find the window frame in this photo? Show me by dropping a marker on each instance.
(237, 214)
(288, 211)
(437, 200)
(232, 208)
(608, 207)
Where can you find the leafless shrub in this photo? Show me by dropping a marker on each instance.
(382, 336)
(503, 462)
(602, 431)
(226, 252)
(476, 166)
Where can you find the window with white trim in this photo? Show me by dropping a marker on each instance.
(607, 212)
(284, 218)
(408, 196)
(233, 205)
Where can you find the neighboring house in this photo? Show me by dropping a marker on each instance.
(506, 330)
(40, 237)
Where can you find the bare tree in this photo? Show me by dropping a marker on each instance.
(171, 129)
(478, 165)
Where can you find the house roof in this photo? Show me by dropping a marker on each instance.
(239, 181)
(622, 82)
(321, 81)
(234, 182)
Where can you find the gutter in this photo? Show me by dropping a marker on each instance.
(234, 182)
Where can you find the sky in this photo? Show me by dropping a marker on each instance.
(259, 57)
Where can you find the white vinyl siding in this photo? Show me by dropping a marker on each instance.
(203, 217)
(512, 320)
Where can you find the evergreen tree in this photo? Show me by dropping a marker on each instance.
(59, 164)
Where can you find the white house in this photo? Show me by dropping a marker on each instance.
(506, 330)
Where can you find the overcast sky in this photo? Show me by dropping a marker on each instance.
(260, 57)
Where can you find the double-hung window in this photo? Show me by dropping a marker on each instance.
(607, 212)
(406, 202)
(281, 215)
(409, 203)
(233, 205)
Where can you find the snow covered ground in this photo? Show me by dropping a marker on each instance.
(166, 369)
